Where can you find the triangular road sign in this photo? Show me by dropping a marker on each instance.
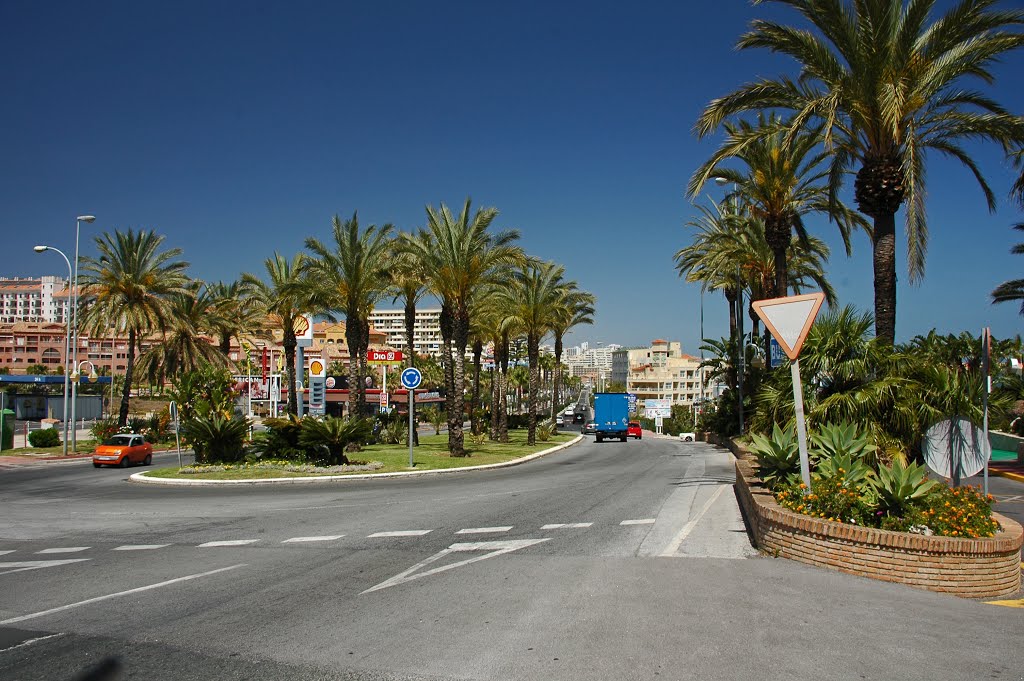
(789, 319)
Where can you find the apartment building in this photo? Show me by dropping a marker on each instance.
(426, 337)
(664, 371)
(28, 299)
(587, 361)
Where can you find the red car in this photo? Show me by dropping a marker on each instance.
(123, 450)
(633, 430)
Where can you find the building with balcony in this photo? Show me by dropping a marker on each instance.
(426, 337)
(664, 371)
(27, 299)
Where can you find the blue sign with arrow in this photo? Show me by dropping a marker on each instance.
(411, 378)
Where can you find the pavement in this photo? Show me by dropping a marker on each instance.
(1014, 470)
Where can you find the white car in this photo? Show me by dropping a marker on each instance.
(559, 421)
(688, 437)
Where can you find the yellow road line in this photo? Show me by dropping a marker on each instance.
(1019, 603)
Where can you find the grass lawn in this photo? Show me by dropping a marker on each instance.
(432, 454)
(82, 447)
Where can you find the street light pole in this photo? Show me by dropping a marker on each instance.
(67, 340)
(74, 358)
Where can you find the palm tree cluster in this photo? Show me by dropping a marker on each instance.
(879, 84)
(490, 291)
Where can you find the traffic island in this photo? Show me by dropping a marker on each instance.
(972, 568)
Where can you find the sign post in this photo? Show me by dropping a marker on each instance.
(173, 409)
(789, 320)
(303, 339)
(986, 387)
(411, 379)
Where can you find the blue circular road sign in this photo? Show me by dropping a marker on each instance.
(411, 378)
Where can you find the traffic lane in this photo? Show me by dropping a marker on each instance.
(1009, 495)
(523, 615)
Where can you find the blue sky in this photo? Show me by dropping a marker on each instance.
(238, 129)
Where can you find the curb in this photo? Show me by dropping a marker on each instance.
(181, 482)
(1007, 474)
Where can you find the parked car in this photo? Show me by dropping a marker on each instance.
(123, 450)
(633, 430)
(590, 427)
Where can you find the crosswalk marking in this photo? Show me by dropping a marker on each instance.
(639, 521)
(228, 542)
(139, 547)
(4, 553)
(484, 530)
(65, 549)
(329, 537)
(21, 566)
(399, 533)
(565, 526)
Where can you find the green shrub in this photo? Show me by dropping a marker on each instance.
(850, 471)
(833, 439)
(545, 431)
(104, 429)
(215, 438)
(778, 457)
(329, 440)
(44, 437)
(829, 499)
(898, 486)
(394, 433)
(957, 512)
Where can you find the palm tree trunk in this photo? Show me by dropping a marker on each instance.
(122, 415)
(533, 357)
(556, 402)
(357, 355)
(884, 246)
(225, 344)
(474, 405)
(456, 402)
(289, 364)
(503, 392)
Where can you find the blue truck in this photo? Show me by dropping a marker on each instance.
(611, 413)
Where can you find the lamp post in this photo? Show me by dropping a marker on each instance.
(74, 396)
(67, 341)
(74, 353)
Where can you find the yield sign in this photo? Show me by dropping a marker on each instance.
(493, 548)
(789, 319)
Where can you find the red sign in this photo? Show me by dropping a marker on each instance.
(384, 356)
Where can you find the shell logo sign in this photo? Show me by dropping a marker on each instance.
(316, 368)
(303, 328)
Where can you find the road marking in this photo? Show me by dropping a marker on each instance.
(494, 548)
(484, 530)
(640, 521)
(228, 542)
(328, 537)
(30, 641)
(22, 618)
(36, 564)
(565, 526)
(139, 547)
(1018, 603)
(4, 553)
(399, 533)
(67, 549)
(673, 545)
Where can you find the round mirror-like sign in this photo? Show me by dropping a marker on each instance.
(955, 447)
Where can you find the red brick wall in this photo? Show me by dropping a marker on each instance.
(974, 568)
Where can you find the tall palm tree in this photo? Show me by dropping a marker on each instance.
(1014, 288)
(285, 297)
(533, 302)
(884, 80)
(461, 257)
(231, 315)
(352, 277)
(130, 284)
(408, 283)
(574, 307)
(785, 180)
(183, 347)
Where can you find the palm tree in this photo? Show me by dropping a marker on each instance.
(1014, 288)
(883, 81)
(130, 284)
(533, 302)
(352, 278)
(183, 347)
(785, 180)
(287, 296)
(461, 257)
(231, 315)
(574, 307)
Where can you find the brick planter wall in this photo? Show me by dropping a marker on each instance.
(974, 568)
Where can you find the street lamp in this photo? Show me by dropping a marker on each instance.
(74, 356)
(67, 341)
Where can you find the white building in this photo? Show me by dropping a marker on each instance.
(27, 299)
(588, 361)
(426, 336)
(664, 371)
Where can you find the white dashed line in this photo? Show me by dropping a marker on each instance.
(229, 542)
(139, 547)
(640, 521)
(4, 553)
(329, 537)
(399, 533)
(66, 549)
(484, 530)
(565, 526)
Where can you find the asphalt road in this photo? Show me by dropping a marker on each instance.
(611, 561)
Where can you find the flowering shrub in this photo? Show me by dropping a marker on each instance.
(830, 498)
(958, 512)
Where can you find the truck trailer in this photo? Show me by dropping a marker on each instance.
(611, 413)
